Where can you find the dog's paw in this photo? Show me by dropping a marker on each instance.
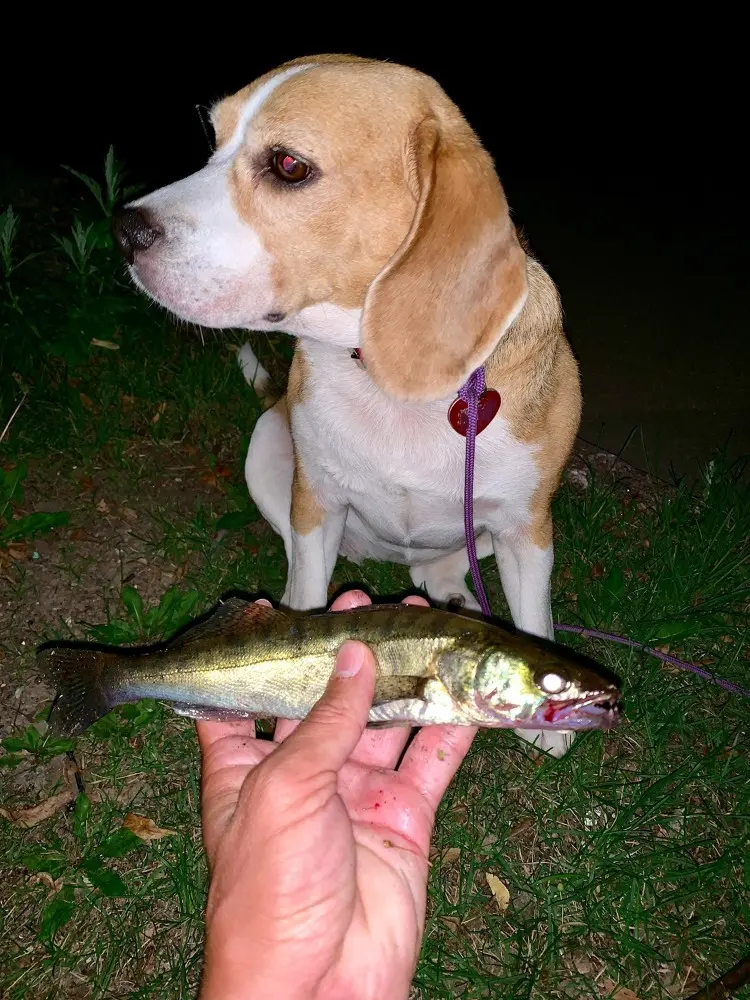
(555, 742)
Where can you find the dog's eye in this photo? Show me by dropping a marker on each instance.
(289, 168)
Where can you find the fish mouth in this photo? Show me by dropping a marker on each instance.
(599, 711)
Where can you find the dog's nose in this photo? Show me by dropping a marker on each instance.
(135, 232)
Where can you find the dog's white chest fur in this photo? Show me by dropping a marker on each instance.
(399, 467)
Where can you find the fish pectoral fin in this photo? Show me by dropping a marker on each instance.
(207, 713)
(398, 712)
(233, 617)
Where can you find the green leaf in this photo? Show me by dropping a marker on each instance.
(109, 725)
(42, 860)
(133, 603)
(107, 882)
(53, 746)
(101, 233)
(173, 611)
(115, 633)
(142, 713)
(29, 740)
(33, 738)
(10, 488)
(614, 583)
(675, 630)
(81, 815)
(14, 743)
(33, 524)
(11, 760)
(57, 913)
(73, 348)
(234, 520)
(118, 844)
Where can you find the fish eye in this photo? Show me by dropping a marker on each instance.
(552, 682)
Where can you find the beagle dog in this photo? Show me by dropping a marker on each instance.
(350, 204)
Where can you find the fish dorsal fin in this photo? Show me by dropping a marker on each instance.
(233, 619)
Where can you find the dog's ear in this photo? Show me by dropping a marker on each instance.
(438, 308)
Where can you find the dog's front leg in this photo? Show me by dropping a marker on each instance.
(525, 571)
(525, 559)
(315, 541)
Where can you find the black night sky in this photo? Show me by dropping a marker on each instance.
(621, 158)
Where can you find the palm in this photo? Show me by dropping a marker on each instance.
(336, 867)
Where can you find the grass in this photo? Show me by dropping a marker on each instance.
(626, 862)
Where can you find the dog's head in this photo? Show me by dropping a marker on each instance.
(347, 200)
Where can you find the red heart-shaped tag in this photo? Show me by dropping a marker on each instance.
(489, 404)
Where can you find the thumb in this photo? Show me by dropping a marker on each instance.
(325, 740)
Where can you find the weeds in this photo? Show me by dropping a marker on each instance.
(625, 863)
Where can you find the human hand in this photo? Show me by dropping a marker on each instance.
(318, 847)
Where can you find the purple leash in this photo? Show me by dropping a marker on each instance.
(471, 393)
(675, 661)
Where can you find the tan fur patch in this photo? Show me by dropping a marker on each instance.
(329, 116)
(536, 374)
(298, 373)
(306, 513)
(458, 278)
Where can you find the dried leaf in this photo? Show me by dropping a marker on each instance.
(450, 854)
(452, 923)
(499, 890)
(55, 884)
(106, 344)
(521, 827)
(145, 829)
(19, 551)
(86, 400)
(29, 816)
(212, 477)
(625, 994)
(103, 506)
(159, 413)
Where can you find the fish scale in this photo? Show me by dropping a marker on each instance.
(247, 659)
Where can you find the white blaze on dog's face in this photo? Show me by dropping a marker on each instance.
(347, 200)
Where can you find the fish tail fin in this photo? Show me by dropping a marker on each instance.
(79, 676)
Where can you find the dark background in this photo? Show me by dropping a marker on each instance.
(622, 154)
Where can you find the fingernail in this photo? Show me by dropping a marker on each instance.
(349, 659)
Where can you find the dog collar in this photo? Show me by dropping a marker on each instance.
(488, 401)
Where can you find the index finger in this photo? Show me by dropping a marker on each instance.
(433, 758)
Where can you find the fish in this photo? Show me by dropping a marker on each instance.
(249, 660)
